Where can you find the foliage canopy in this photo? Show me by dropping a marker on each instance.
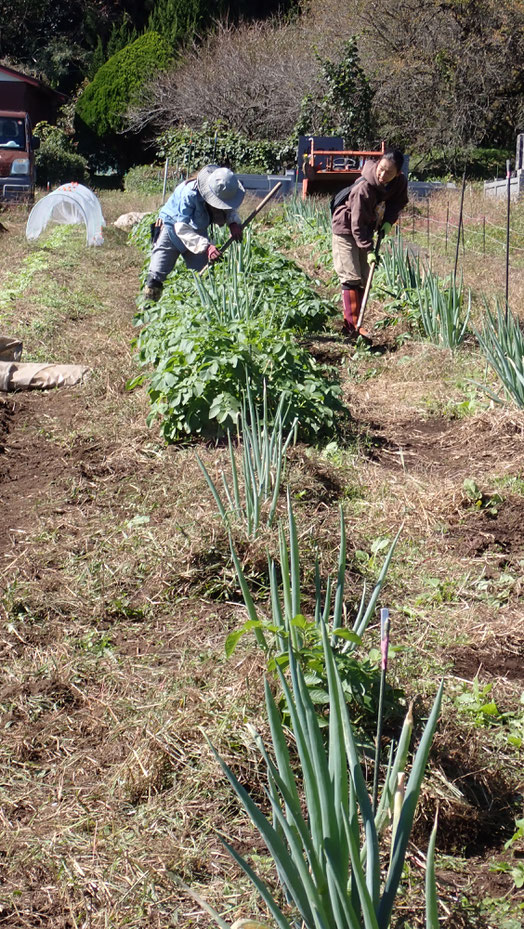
(119, 80)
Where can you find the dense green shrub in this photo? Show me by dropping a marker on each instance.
(105, 100)
(191, 149)
(56, 160)
(144, 179)
(479, 163)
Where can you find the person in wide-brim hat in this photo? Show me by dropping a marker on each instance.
(212, 197)
(220, 187)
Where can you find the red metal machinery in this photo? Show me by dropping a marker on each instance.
(328, 172)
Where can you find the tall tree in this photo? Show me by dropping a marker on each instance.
(447, 74)
(341, 101)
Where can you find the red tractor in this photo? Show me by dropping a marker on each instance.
(327, 172)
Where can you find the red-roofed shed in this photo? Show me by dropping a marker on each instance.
(20, 92)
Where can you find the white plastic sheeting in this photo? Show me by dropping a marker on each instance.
(71, 204)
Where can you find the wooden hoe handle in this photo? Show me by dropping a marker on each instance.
(368, 284)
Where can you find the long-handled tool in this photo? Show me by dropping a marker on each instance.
(369, 282)
(246, 222)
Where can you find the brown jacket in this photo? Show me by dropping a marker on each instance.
(358, 215)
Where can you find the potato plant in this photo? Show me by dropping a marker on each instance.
(208, 336)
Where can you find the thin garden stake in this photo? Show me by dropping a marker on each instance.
(447, 225)
(427, 221)
(508, 176)
(460, 221)
(189, 157)
(483, 235)
(166, 169)
(384, 646)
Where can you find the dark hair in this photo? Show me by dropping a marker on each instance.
(395, 155)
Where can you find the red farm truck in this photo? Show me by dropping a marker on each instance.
(17, 160)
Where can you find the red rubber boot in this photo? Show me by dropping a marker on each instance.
(351, 300)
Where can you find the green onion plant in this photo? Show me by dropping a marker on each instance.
(502, 341)
(402, 271)
(443, 314)
(262, 465)
(286, 619)
(323, 836)
(312, 214)
(287, 627)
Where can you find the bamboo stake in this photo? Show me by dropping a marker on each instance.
(384, 646)
(166, 168)
(460, 222)
(508, 177)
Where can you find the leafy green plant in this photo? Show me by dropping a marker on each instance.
(207, 337)
(328, 859)
(477, 701)
(288, 627)
(190, 149)
(201, 372)
(516, 867)
(481, 501)
(262, 465)
(502, 341)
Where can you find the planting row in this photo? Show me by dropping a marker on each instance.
(421, 302)
(329, 839)
(225, 358)
(235, 325)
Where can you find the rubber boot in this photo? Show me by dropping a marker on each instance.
(351, 301)
(153, 289)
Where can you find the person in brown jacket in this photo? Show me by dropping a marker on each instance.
(374, 202)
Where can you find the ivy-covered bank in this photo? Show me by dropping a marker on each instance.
(237, 324)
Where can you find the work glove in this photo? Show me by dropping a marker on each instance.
(236, 232)
(372, 258)
(213, 253)
(386, 228)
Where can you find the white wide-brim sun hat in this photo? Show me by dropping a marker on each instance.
(220, 187)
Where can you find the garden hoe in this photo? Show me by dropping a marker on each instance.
(247, 221)
(369, 282)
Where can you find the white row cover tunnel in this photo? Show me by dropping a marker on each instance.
(70, 204)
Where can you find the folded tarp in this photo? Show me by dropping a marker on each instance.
(28, 376)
